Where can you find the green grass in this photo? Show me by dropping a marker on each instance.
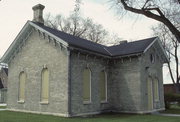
(2, 107)
(7, 116)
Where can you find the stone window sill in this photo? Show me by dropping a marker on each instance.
(104, 102)
(44, 102)
(86, 102)
(156, 100)
(21, 101)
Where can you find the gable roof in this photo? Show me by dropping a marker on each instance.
(134, 47)
(118, 50)
(125, 49)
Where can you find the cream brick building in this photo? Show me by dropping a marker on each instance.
(52, 72)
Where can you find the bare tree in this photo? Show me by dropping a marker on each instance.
(78, 26)
(159, 10)
(171, 46)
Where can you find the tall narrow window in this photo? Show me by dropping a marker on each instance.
(86, 85)
(22, 80)
(156, 89)
(45, 85)
(103, 86)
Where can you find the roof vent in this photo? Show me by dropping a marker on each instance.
(38, 13)
(123, 41)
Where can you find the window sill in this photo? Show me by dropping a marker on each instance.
(86, 102)
(104, 102)
(44, 102)
(21, 101)
(156, 100)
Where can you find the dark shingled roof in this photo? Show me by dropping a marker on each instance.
(76, 41)
(131, 47)
(118, 50)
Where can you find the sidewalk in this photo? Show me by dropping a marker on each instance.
(164, 114)
(2, 109)
(3, 104)
(175, 115)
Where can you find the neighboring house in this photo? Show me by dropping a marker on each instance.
(3, 84)
(52, 72)
(169, 88)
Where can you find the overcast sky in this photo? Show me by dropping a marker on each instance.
(15, 13)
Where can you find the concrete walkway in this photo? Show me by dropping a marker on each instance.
(175, 115)
(164, 114)
(3, 104)
(2, 109)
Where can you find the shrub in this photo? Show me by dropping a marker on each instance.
(171, 97)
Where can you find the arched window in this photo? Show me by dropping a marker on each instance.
(22, 81)
(87, 85)
(45, 85)
(103, 86)
(156, 89)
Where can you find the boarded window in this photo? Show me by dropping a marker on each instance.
(87, 85)
(45, 85)
(22, 80)
(150, 93)
(103, 86)
(156, 90)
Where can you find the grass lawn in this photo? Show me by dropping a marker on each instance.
(7, 116)
(2, 107)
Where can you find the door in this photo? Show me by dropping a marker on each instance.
(150, 94)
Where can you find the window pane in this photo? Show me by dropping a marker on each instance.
(45, 85)
(86, 84)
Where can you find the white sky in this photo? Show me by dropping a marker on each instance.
(15, 13)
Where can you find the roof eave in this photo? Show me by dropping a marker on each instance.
(50, 34)
(128, 55)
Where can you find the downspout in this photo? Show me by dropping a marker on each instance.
(69, 83)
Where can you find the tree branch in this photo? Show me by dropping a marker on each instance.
(151, 15)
